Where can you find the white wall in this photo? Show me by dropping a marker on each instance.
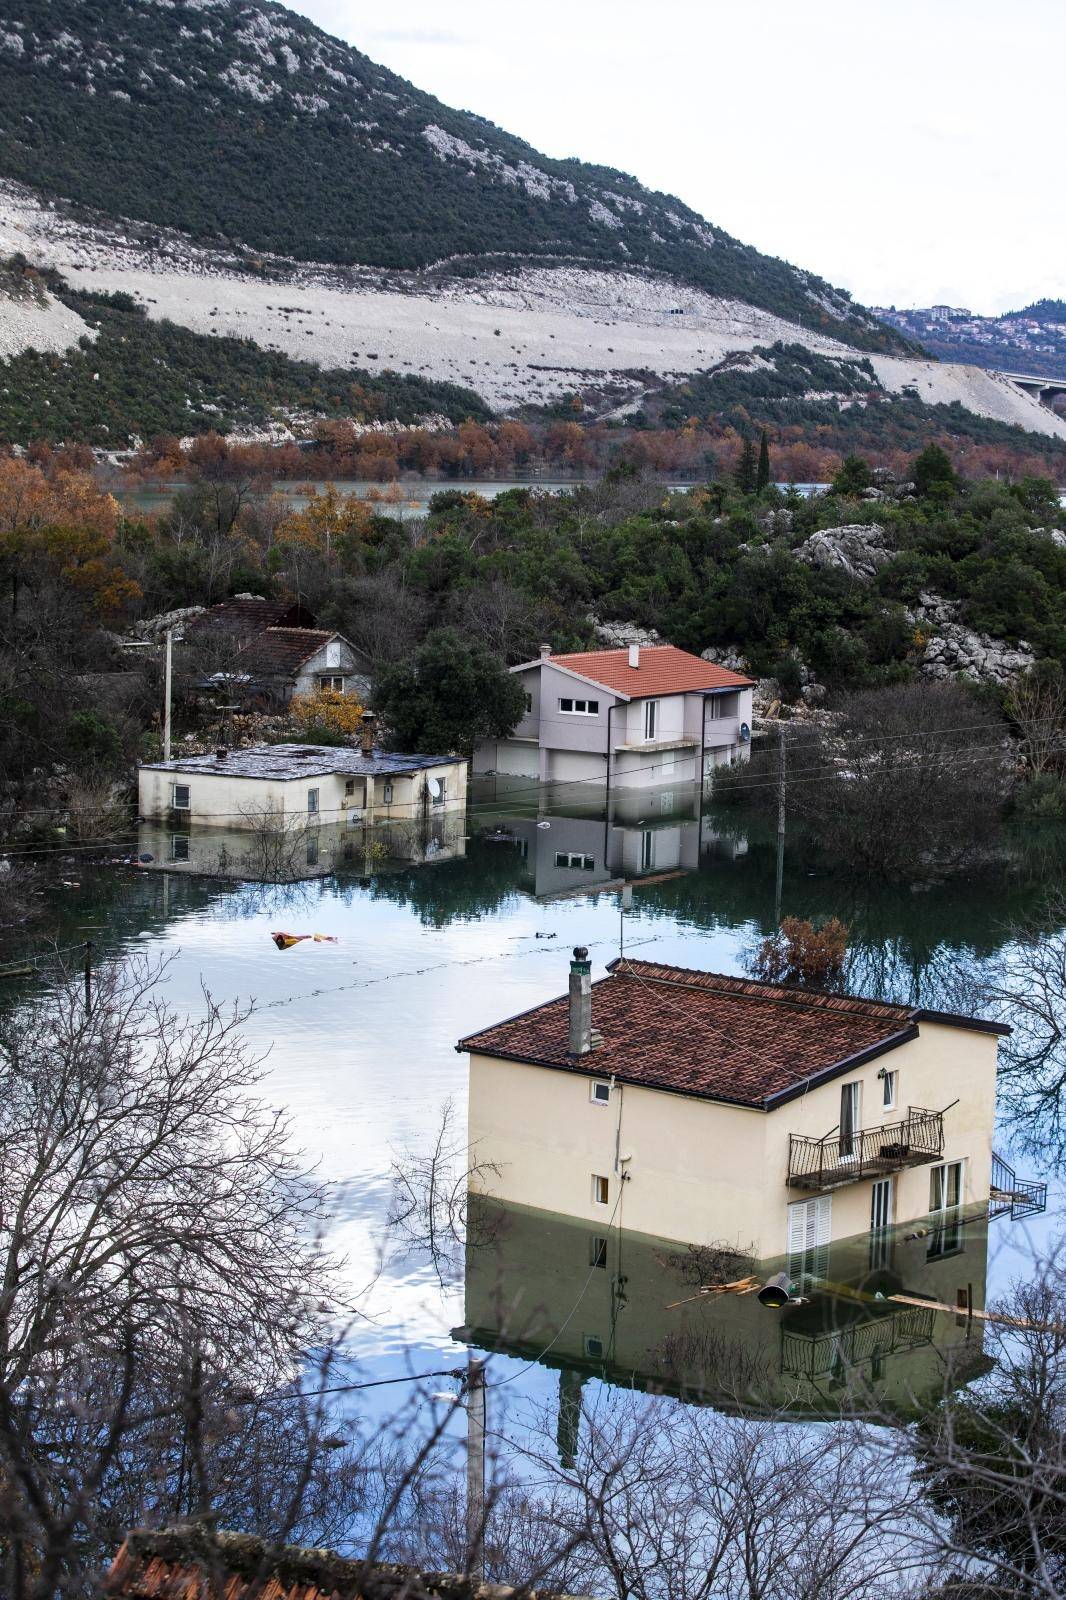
(703, 1172)
(228, 801)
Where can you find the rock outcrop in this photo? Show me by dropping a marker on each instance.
(617, 635)
(952, 650)
(857, 548)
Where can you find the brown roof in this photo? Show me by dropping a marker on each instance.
(187, 1563)
(252, 616)
(280, 652)
(716, 1037)
(663, 669)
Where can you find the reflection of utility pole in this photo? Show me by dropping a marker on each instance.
(168, 674)
(475, 1466)
(568, 1427)
(780, 821)
(88, 977)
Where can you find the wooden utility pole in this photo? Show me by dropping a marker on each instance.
(168, 673)
(780, 821)
(475, 1466)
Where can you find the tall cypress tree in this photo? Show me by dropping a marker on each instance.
(762, 476)
(746, 468)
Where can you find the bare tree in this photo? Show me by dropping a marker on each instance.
(1036, 706)
(429, 1213)
(162, 1283)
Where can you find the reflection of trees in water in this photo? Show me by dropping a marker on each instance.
(449, 891)
(702, 1362)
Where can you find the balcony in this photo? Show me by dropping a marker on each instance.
(841, 1158)
(1014, 1196)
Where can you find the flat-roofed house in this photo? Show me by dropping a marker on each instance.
(636, 716)
(699, 1108)
(320, 783)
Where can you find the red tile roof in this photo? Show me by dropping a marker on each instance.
(251, 616)
(280, 652)
(703, 1034)
(663, 669)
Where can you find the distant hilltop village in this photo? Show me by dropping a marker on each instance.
(1031, 340)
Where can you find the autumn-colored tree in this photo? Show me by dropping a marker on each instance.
(326, 709)
(800, 952)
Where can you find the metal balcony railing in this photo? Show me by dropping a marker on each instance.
(1021, 1197)
(816, 1355)
(848, 1157)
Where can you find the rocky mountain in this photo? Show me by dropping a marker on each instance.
(244, 125)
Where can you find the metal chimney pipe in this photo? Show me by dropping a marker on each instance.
(580, 1002)
(366, 733)
(634, 655)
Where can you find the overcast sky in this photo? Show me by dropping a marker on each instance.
(911, 151)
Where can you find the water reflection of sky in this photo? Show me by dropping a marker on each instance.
(358, 1037)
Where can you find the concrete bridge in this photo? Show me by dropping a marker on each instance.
(1043, 389)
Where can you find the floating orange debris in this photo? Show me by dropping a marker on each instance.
(285, 941)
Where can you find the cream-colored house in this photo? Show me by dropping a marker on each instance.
(320, 784)
(698, 1108)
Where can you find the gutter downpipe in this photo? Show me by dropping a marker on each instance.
(703, 748)
(607, 792)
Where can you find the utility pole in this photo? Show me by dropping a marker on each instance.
(475, 1466)
(168, 674)
(88, 977)
(780, 821)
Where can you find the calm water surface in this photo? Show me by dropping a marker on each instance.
(358, 1037)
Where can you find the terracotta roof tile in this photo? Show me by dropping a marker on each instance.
(280, 652)
(704, 1034)
(251, 616)
(662, 669)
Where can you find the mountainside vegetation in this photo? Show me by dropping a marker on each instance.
(244, 124)
(143, 377)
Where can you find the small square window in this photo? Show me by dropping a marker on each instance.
(349, 786)
(599, 1190)
(597, 1251)
(599, 1092)
(180, 796)
(330, 682)
(179, 847)
(566, 705)
(593, 1345)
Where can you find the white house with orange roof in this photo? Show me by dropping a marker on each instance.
(635, 716)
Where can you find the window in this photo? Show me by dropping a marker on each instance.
(810, 1224)
(593, 1345)
(179, 847)
(881, 1204)
(579, 708)
(312, 849)
(574, 859)
(714, 708)
(386, 793)
(331, 682)
(599, 1190)
(888, 1082)
(529, 704)
(349, 786)
(849, 1121)
(667, 764)
(597, 1251)
(945, 1186)
(312, 802)
(180, 796)
(647, 851)
(651, 719)
(599, 1092)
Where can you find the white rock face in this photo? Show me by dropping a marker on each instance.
(954, 650)
(618, 635)
(859, 549)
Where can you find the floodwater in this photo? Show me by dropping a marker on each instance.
(358, 1041)
(407, 499)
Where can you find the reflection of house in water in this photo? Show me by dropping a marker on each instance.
(571, 846)
(625, 1308)
(288, 852)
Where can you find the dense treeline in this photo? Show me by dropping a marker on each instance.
(142, 377)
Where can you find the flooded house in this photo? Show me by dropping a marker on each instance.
(632, 717)
(692, 1107)
(290, 808)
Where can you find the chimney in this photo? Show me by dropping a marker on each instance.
(634, 655)
(545, 651)
(366, 733)
(580, 1002)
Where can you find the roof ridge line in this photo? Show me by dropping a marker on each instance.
(772, 993)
